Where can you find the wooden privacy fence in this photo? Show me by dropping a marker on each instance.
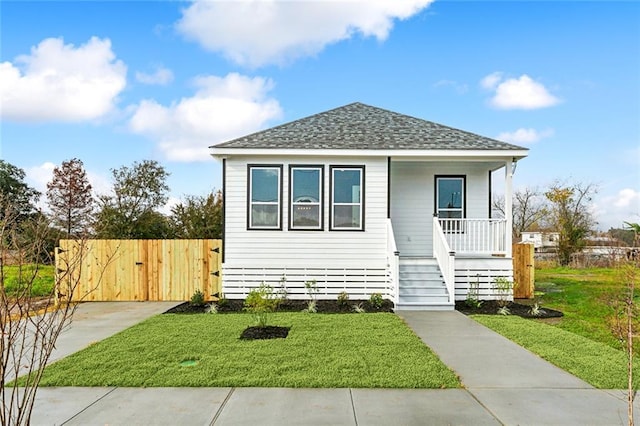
(139, 270)
(523, 271)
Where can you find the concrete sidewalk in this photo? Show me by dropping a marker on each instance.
(504, 384)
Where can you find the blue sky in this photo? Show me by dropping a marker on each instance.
(116, 82)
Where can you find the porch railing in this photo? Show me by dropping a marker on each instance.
(479, 236)
(445, 257)
(393, 260)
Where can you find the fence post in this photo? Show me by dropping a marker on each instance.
(523, 271)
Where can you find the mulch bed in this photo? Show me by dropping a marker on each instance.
(322, 307)
(266, 332)
(491, 307)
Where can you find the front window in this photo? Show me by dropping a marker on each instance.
(306, 197)
(347, 198)
(264, 197)
(450, 200)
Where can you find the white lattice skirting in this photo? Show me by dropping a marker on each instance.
(359, 283)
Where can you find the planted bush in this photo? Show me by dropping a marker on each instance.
(260, 303)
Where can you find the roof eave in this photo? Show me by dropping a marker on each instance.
(395, 153)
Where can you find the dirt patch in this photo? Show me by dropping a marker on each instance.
(266, 332)
(491, 307)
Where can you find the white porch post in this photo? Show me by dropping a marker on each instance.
(508, 205)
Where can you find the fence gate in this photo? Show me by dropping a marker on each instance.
(523, 271)
(139, 270)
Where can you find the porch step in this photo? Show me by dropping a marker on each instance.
(421, 286)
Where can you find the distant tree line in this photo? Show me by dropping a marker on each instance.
(131, 210)
(565, 208)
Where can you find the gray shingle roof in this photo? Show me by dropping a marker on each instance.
(360, 126)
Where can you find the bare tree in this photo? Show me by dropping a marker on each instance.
(624, 324)
(570, 216)
(29, 325)
(529, 210)
(70, 198)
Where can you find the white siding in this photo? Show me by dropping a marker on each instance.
(412, 200)
(484, 272)
(277, 250)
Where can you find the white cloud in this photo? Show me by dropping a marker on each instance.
(39, 176)
(58, 82)
(221, 109)
(491, 81)
(260, 32)
(460, 88)
(517, 93)
(525, 136)
(613, 210)
(162, 76)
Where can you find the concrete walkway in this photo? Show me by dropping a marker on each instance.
(504, 384)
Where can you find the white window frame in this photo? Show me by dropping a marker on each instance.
(251, 203)
(360, 203)
(319, 203)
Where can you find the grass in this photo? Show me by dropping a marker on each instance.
(583, 296)
(41, 277)
(348, 350)
(594, 362)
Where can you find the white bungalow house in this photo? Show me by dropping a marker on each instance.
(365, 200)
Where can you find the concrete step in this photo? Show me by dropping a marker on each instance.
(423, 298)
(420, 290)
(410, 306)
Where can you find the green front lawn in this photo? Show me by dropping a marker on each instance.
(596, 363)
(40, 277)
(322, 350)
(584, 296)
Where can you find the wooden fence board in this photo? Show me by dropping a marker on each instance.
(136, 270)
(523, 271)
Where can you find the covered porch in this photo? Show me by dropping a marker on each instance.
(460, 245)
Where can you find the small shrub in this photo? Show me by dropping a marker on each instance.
(197, 299)
(343, 299)
(311, 307)
(312, 289)
(504, 310)
(260, 303)
(283, 292)
(473, 295)
(503, 287)
(212, 308)
(376, 300)
(535, 310)
(359, 309)
(222, 301)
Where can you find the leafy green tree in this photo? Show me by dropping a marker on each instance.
(570, 216)
(635, 228)
(198, 217)
(130, 212)
(70, 199)
(16, 197)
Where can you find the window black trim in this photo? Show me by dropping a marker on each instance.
(464, 200)
(281, 177)
(362, 198)
(290, 201)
